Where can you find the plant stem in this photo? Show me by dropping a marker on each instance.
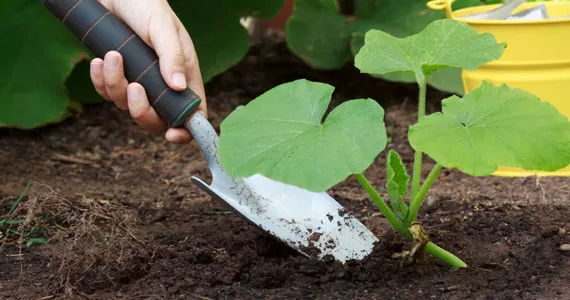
(416, 203)
(417, 173)
(445, 256)
(431, 248)
(422, 100)
(384, 208)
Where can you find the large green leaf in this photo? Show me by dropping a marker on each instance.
(495, 126)
(37, 56)
(397, 184)
(446, 79)
(219, 38)
(327, 39)
(322, 35)
(319, 34)
(443, 43)
(280, 135)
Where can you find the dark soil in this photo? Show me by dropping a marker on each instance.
(509, 230)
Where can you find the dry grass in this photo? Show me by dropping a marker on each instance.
(94, 244)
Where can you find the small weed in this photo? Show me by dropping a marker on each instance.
(28, 235)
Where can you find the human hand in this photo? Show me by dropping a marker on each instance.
(159, 27)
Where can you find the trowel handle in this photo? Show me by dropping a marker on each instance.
(101, 32)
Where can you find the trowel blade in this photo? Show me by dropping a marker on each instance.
(312, 223)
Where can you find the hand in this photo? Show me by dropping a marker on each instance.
(158, 26)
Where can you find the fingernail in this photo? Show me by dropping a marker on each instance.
(96, 63)
(179, 80)
(97, 66)
(134, 94)
(171, 136)
(113, 61)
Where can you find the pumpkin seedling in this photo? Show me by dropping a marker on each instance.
(281, 136)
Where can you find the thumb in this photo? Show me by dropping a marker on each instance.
(163, 35)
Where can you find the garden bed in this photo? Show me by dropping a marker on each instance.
(186, 246)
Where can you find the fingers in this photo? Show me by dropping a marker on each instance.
(178, 136)
(141, 111)
(98, 78)
(164, 38)
(109, 79)
(115, 81)
(160, 28)
(146, 116)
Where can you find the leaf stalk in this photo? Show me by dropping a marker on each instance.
(416, 202)
(417, 172)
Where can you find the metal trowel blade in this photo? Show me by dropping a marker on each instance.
(314, 224)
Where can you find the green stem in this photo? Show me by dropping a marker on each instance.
(445, 256)
(431, 248)
(422, 100)
(416, 203)
(384, 208)
(417, 173)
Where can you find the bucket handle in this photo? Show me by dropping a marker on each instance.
(442, 5)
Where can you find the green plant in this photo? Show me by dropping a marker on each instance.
(280, 134)
(327, 37)
(45, 77)
(7, 232)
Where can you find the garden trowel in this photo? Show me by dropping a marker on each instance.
(312, 223)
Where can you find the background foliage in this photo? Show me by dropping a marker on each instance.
(328, 35)
(45, 74)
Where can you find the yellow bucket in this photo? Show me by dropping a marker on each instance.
(537, 59)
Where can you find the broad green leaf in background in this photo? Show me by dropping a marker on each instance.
(281, 135)
(219, 38)
(320, 34)
(445, 79)
(441, 44)
(495, 126)
(397, 184)
(37, 55)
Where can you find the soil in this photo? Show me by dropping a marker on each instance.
(184, 245)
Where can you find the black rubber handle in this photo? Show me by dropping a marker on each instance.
(101, 32)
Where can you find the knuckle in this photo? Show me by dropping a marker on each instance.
(190, 57)
(178, 56)
(139, 114)
(112, 84)
(99, 86)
